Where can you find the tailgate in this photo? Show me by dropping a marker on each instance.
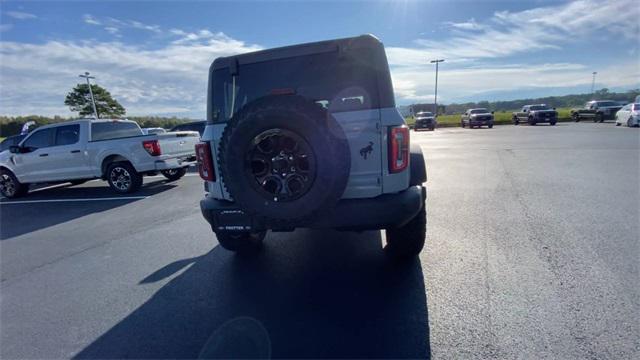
(179, 143)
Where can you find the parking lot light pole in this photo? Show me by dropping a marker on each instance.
(93, 101)
(593, 82)
(435, 98)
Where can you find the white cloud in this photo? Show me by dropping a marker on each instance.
(21, 15)
(5, 27)
(90, 20)
(146, 81)
(476, 52)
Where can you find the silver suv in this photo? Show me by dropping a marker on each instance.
(309, 136)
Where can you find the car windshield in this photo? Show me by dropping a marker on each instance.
(424, 114)
(479, 111)
(606, 103)
(539, 107)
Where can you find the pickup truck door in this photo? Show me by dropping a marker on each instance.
(30, 165)
(67, 159)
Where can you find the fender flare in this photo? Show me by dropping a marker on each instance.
(418, 168)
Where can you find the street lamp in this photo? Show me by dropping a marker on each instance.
(435, 99)
(593, 82)
(93, 101)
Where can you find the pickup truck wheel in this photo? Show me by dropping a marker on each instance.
(552, 123)
(406, 242)
(10, 187)
(284, 158)
(515, 121)
(575, 117)
(123, 178)
(462, 124)
(490, 126)
(629, 123)
(241, 242)
(174, 174)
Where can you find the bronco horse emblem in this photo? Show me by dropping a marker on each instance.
(365, 151)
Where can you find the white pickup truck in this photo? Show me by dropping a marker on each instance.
(80, 150)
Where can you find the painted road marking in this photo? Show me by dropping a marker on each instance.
(73, 200)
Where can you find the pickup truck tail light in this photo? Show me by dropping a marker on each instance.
(398, 148)
(205, 165)
(152, 147)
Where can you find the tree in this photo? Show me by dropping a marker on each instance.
(79, 99)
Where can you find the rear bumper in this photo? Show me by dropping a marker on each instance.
(384, 211)
(480, 122)
(174, 163)
(545, 119)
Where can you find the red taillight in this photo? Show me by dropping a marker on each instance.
(398, 148)
(152, 147)
(205, 165)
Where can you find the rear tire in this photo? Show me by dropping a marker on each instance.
(552, 123)
(174, 174)
(462, 124)
(241, 242)
(406, 242)
(432, 128)
(575, 117)
(490, 126)
(10, 187)
(629, 123)
(123, 178)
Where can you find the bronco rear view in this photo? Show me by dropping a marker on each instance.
(308, 136)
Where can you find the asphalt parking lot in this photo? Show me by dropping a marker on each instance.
(532, 252)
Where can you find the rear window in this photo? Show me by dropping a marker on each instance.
(479, 111)
(540, 107)
(336, 81)
(114, 130)
(199, 127)
(606, 103)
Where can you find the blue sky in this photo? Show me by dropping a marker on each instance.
(154, 56)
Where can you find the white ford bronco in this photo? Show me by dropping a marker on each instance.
(309, 136)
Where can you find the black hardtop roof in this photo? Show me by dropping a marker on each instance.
(361, 41)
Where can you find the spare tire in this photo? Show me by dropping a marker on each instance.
(284, 158)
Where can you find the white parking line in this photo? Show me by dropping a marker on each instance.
(73, 200)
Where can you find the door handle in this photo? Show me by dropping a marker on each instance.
(44, 154)
(75, 151)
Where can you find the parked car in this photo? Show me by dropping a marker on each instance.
(629, 115)
(534, 114)
(477, 117)
(11, 140)
(191, 126)
(596, 110)
(77, 151)
(155, 130)
(425, 120)
(316, 142)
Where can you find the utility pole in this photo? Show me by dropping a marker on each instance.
(435, 100)
(593, 83)
(93, 101)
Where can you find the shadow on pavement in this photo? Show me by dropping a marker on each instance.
(18, 219)
(310, 294)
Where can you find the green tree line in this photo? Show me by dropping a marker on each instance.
(565, 101)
